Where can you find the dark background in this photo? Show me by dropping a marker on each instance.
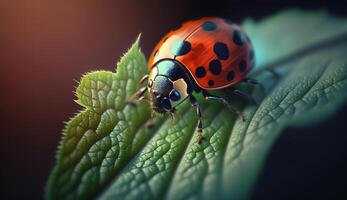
(46, 45)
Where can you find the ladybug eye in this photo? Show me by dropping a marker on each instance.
(175, 95)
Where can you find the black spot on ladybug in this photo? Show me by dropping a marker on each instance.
(200, 72)
(221, 50)
(228, 21)
(238, 38)
(172, 69)
(251, 54)
(215, 67)
(230, 75)
(180, 48)
(242, 65)
(210, 83)
(209, 26)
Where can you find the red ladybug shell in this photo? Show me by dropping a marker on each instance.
(216, 52)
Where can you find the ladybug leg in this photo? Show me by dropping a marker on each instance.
(254, 82)
(251, 81)
(245, 95)
(143, 79)
(149, 124)
(198, 113)
(225, 102)
(138, 96)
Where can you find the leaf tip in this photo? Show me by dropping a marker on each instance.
(137, 41)
(135, 48)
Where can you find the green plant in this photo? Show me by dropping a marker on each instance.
(108, 152)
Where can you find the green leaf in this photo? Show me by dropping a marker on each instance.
(108, 151)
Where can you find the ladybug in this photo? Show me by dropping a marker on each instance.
(202, 55)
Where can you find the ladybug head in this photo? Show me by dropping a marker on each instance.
(167, 86)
